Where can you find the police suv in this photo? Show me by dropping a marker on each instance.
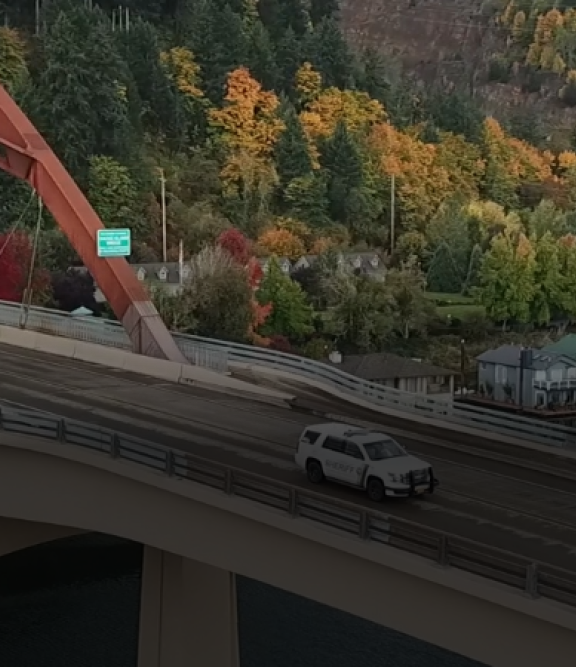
(363, 459)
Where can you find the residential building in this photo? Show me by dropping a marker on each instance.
(528, 378)
(391, 370)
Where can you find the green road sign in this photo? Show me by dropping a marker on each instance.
(114, 242)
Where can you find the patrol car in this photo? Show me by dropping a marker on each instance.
(364, 459)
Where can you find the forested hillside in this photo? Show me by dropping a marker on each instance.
(274, 138)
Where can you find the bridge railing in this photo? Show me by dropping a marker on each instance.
(217, 354)
(534, 579)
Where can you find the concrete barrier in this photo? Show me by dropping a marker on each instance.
(275, 377)
(158, 368)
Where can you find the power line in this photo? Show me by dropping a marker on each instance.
(17, 223)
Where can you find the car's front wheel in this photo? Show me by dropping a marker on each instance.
(315, 472)
(375, 490)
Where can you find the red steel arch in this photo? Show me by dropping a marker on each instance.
(26, 155)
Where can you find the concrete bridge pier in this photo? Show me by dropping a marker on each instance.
(188, 614)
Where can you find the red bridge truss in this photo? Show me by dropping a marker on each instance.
(26, 155)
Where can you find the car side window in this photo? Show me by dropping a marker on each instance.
(353, 451)
(334, 444)
(311, 437)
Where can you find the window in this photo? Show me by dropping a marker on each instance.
(557, 374)
(334, 444)
(141, 274)
(501, 374)
(384, 449)
(540, 375)
(310, 437)
(374, 262)
(163, 273)
(571, 373)
(354, 451)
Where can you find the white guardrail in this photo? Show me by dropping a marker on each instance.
(217, 355)
(535, 579)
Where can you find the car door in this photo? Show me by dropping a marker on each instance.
(335, 460)
(357, 464)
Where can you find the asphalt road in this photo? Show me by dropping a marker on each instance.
(497, 503)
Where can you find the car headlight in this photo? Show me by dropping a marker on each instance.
(393, 477)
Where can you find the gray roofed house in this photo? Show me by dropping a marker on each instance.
(398, 372)
(545, 380)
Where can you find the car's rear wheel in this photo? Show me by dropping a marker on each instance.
(375, 490)
(315, 472)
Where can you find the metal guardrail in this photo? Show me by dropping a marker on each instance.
(216, 355)
(534, 579)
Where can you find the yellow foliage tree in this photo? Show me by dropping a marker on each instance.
(518, 159)
(422, 184)
(183, 70)
(13, 68)
(490, 219)
(280, 242)
(308, 83)
(296, 227)
(463, 161)
(508, 14)
(321, 245)
(356, 110)
(518, 26)
(249, 126)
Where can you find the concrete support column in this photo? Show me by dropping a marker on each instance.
(188, 614)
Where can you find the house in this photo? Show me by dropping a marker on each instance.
(565, 346)
(391, 370)
(366, 263)
(545, 380)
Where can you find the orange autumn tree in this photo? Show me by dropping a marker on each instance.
(422, 184)
(282, 243)
(249, 127)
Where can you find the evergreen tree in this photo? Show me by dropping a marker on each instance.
(162, 108)
(306, 199)
(292, 152)
(350, 200)
(261, 59)
(474, 268)
(323, 9)
(374, 79)
(328, 51)
(443, 275)
(458, 113)
(289, 59)
(291, 315)
(81, 98)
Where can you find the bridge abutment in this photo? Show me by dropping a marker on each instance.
(188, 613)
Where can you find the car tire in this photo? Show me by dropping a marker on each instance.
(375, 490)
(315, 472)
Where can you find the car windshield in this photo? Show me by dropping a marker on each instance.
(384, 449)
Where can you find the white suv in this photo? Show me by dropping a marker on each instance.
(364, 459)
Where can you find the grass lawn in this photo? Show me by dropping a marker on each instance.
(455, 305)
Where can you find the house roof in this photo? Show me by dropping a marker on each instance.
(509, 355)
(565, 346)
(386, 366)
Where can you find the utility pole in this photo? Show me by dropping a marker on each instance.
(181, 262)
(163, 204)
(392, 213)
(37, 17)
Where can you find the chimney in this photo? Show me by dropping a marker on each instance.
(335, 357)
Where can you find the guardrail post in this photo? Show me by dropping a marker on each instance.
(443, 557)
(170, 463)
(115, 446)
(229, 482)
(293, 503)
(531, 587)
(61, 434)
(363, 531)
(1, 420)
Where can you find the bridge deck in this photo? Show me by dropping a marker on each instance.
(523, 511)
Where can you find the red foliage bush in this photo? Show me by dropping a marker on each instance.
(239, 247)
(15, 258)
